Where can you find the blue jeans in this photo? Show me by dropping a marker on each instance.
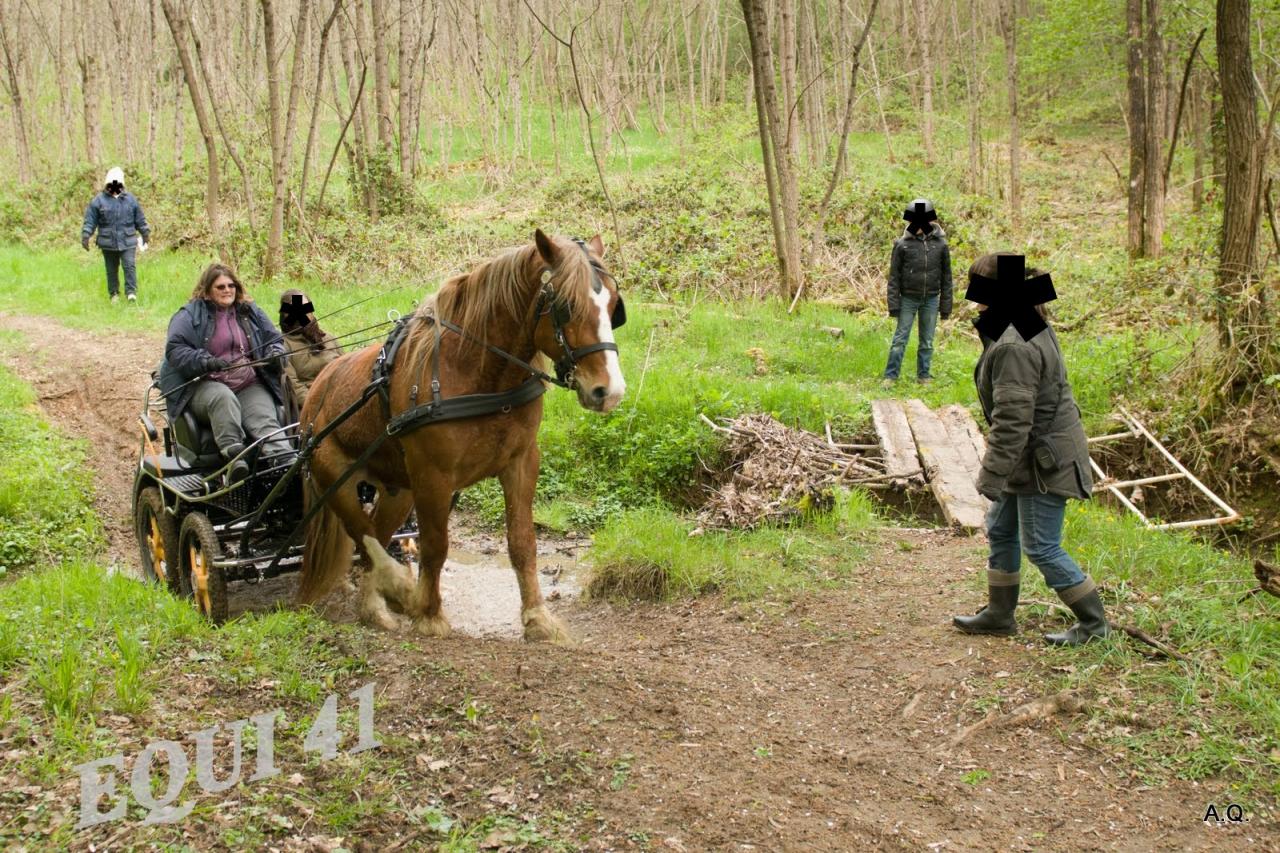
(1031, 524)
(911, 307)
(114, 260)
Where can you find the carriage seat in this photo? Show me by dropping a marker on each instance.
(194, 440)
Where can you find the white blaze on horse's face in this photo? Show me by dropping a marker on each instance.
(615, 385)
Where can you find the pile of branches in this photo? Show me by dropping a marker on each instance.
(777, 475)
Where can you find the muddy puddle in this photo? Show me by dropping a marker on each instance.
(478, 585)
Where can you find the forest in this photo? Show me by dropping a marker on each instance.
(759, 652)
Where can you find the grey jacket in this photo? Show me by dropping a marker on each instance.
(1028, 404)
(117, 219)
(921, 267)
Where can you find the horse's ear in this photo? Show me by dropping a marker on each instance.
(546, 248)
(597, 246)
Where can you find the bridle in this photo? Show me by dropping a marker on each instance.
(550, 302)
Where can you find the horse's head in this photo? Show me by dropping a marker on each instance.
(578, 308)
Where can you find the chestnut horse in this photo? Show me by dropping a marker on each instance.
(553, 298)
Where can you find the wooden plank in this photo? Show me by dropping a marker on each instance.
(945, 468)
(965, 435)
(897, 446)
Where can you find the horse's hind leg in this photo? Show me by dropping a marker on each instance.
(385, 577)
(388, 578)
(518, 484)
(433, 504)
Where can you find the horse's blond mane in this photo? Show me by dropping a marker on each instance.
(498, 287)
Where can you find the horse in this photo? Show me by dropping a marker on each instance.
(483, 332)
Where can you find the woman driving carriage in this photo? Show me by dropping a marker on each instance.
(228, 343)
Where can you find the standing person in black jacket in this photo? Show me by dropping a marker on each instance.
(1037, 456)
(919, 286)
(122, 228)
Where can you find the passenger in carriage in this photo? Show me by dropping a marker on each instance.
(307, 347)
(230, 345)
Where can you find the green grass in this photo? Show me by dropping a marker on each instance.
(1218, 716)
(45, 489)
(654, 553)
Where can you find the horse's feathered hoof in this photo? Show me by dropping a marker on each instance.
(432, 626)
(541, 627)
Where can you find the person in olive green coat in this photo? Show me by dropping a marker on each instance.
(1037, 454)
(308, 348)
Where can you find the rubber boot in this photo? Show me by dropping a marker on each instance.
(1085, 603)
(240, 467)
(997, 616)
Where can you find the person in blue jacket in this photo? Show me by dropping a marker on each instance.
(122, 229)
(229, 344)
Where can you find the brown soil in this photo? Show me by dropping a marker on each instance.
(821, 723)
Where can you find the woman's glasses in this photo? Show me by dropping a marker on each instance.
(224, 287)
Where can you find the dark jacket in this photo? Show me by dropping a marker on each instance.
(186, 351)
(1027, 401)
(117, 219)
(920, 267)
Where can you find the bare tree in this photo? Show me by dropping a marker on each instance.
(178, 27)
(1009, 29)
(1240, 321)
(10, 40)
(775, 143)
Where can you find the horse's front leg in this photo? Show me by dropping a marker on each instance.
(432, 501)
(519, 481)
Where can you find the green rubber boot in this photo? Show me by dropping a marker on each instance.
(1085, 603)
(997, 617)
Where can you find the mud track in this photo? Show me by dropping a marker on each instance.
(823, 723)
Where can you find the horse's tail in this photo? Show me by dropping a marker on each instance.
(327, 554)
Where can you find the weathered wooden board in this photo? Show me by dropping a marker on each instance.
(965, 435)
(946, 466)
(897, 446)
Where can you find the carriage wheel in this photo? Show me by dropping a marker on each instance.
(202, 581)
(157, 534)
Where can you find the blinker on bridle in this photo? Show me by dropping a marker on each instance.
(550, 302)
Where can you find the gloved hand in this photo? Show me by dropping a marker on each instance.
(213, 365)
(893, 314)
(85, 243)
(946, 316)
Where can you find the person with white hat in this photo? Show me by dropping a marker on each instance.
(122, 229)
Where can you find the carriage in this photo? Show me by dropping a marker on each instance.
(198, 531)
(461, 403)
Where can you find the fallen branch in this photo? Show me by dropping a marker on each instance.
(1066, 702)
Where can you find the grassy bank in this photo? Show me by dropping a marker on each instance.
(45, 511)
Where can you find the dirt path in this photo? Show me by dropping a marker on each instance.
(825, 723)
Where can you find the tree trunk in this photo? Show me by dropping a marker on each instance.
(1138, 164)
(1009, 25)
(1198, 133)
(924, 29)
(1239, 313)
(322, 54)
(1153, 188)
(8, 43)
(177, 26)
(382, 76)
(787, 236)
